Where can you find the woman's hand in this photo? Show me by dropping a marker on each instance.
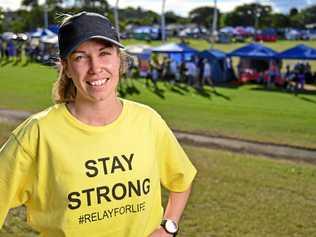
(160, 232)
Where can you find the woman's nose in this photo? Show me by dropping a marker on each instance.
(96, 65)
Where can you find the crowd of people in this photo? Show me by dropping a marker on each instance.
(11, 49)
(33, 49)
(196, 72)
(296, 77)
(293, 79)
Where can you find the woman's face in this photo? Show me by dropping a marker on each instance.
(94, 69)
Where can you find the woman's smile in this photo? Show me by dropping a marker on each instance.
(98, 83)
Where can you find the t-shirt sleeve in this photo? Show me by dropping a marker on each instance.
(176, 170)
(16, 172)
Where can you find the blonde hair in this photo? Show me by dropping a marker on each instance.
(64, 90)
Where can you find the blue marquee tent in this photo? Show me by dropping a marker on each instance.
(254, 50)
(53, 28)
(220, 70)
(300, 52)
(174, 48)
(213, 54)
(40, 32)
(177, 52)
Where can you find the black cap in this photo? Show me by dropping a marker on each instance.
(82, 27)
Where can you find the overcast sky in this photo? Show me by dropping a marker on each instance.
(182, 7)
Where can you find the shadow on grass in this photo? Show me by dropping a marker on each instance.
(176, 90)
(208, 94)
(159, 92)
(4, 63)
(228, 85)
(26, 62)
(307, 99)
(202, 92)
(128, 88)
(16, 63)
(182, 87)
(280, 90)
(154, 88)
(215, 92)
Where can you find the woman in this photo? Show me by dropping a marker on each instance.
(92, 164)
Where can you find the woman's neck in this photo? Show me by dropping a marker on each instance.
(96, 114)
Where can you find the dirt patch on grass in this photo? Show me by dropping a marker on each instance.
(236, 145)
(12, 116)
(276, 151)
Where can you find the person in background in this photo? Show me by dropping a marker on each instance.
(93, 164)
(2, 54)
(207, 73)
(191, 73)
(174, 71)
(301, 80)
(155, 68)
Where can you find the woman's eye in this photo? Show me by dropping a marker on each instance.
(79, 58)
(104, 53)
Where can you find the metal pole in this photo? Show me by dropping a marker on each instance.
(45, 15)
(214, 26)
(256, 16)
(116, 17)
(163, 26)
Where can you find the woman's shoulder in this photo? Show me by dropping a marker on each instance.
(38, 118)
(139, 108)
(48, 113)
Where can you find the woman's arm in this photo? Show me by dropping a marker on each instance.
(175, 206)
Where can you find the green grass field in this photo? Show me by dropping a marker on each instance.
(239, 196)
(234, 195)
(248, 112)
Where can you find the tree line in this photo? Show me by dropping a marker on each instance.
(30, 15)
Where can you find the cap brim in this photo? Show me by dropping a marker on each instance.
(116, 43)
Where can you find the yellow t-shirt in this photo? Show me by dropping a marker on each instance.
(81, 180)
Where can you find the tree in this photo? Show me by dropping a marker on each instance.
(309, 15)
(96, 3)
(30, 3)
(279, 20)
(1, 19)
(54, 3)
(171, 17)
(297, 21)
(138, 16)
(249, 15)
(293, 11)
(203, 16)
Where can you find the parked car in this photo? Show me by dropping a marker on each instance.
(147, 33)
(266, 35)
(311, 34)
(194, 32)
(9, 36)
(292, 34)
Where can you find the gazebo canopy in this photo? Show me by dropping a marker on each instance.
(174, 48)
(254, 50)
(213, 54)
(177, 52)
(301, 52)
(40, 32)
